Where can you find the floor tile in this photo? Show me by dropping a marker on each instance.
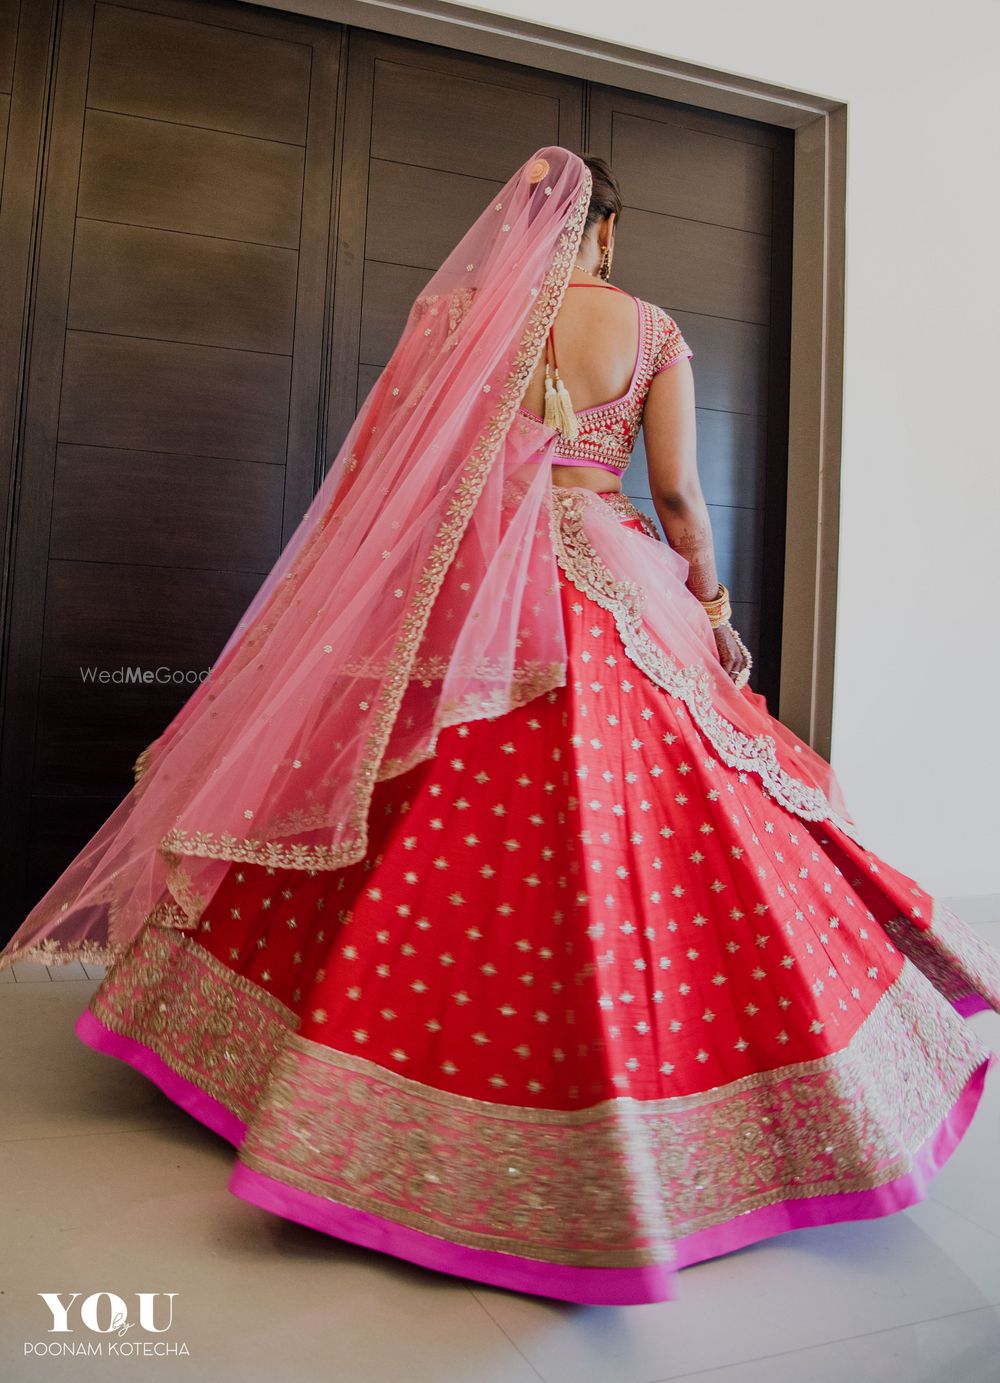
(73, 970)
(106, 1185)
(51, 1083)
(30, 971)
(964, 1348)
(799, 1290)
(258, 1298)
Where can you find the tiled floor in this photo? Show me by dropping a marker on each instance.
(107, 1186)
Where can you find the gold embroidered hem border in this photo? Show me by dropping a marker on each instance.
(949, 954)
(610, 1185)
(215, 1028)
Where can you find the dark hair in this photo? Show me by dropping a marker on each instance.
(605, 196)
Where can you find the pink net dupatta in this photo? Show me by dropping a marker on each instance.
(419, 589)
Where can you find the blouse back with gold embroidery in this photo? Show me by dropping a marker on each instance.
(607, 431)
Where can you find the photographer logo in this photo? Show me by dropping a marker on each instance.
(98, 1325)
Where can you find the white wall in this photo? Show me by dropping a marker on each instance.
(916, 734)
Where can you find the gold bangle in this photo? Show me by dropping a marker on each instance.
(720, 597)
(718, 608)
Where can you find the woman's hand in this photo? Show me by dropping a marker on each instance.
(731, 655)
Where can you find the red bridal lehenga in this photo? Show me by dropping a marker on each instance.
(612, 988)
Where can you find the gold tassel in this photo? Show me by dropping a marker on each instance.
(559, 407)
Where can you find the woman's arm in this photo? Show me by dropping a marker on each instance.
(668, 424)
(669, 429)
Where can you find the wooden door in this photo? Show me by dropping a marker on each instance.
(706, 233)
(429, 137)
(177, 355)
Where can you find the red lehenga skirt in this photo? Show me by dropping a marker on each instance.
(593, 1008)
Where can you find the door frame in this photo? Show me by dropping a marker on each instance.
(812, 526)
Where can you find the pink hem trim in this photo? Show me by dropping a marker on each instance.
(586, 1286)
(201, 1106)
(893, 1196)
(970, 1004)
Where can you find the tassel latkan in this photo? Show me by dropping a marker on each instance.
(559, 406)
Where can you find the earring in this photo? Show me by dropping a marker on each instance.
(604, 268)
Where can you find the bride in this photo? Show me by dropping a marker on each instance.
(475, 897)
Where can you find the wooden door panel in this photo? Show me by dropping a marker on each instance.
(9, 14)
(436, 109)
(137, 281)
(54, 828)
(98, 615)
(418, 215)
(4, 122)
(731, 459)
(389, 291)
(207, 182)
(714, 270)
(738, 541)
(367, 375)
(746, 617)
(164, 67)
(664, 160)
(81, 751)
(124, 391)
(196, 511)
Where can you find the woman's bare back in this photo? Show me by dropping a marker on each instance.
(596, 337)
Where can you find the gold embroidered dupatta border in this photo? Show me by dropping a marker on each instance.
(177, 844)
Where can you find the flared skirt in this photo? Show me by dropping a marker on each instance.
(593, 1007)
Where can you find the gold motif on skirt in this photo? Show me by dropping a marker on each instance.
(216, 1029)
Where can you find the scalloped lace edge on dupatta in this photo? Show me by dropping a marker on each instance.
(625, 599)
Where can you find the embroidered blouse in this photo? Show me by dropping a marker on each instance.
(608, 430)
